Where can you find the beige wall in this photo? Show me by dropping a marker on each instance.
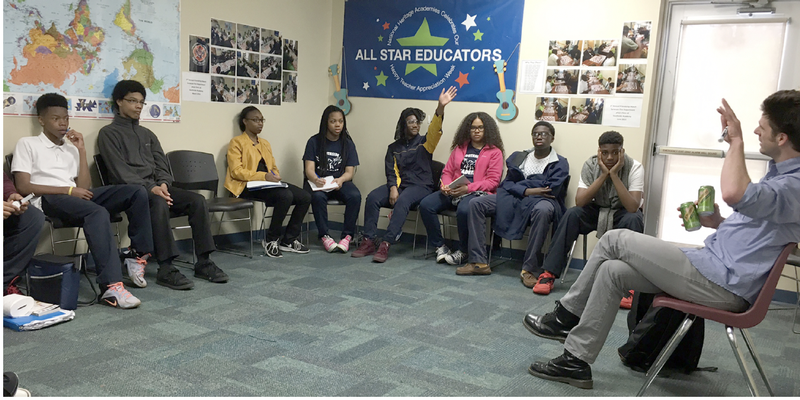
(208, 127)
(318, 24)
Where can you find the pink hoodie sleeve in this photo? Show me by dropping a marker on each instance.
(452, 169)
(490, 178)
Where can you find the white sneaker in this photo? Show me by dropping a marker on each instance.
(456, 258)
(272, 248)
(117, 296)
(441, 253)
(136, 271)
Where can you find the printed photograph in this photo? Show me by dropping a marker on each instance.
(635, 39)
(586, 111)
(564, 53)
(223, 33)
(223, 89)
(561, 81)
(270, 93)
(248, 38)
(289, 85)
(630, 78)
(551, 109)
(247, 64)
(270, 68)
(596, 81)
(290, 55)
(198, 54)
(223, 61)
(247, 91)
(599, 53)
(271, 42)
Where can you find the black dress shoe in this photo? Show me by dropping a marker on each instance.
(565, 368)
(553, 325)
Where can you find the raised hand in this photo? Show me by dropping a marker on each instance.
(447, 96)
(729, 120)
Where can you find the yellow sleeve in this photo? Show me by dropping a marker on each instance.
(434, 133)
(236, 165)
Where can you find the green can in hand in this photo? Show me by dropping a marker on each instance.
(691, 221)
(705, 201)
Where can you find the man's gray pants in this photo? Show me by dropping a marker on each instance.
(624, 260)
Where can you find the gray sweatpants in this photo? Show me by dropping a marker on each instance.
(624, 260)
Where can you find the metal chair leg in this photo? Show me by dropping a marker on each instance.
(749, 342)
(414, 238)
(740, 358)
(797, 306)
(569, 260)
(666, 352)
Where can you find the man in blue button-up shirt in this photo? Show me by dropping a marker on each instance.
(726, 274)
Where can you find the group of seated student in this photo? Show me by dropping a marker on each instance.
(726, 274)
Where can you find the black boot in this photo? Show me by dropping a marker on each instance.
(565, 368)
(553, 325)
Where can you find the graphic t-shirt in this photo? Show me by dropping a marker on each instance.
(468, 163)
(335, 164)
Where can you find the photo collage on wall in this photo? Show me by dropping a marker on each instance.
(582, 74)
(247, 64)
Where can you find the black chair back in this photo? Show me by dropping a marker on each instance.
(102, 170)
(193, 170)
(436, 169)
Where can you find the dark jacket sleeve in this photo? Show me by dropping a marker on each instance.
(162, 174)
(391, 174)
(553, 177)
(118, 168)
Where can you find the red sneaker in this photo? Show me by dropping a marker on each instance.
(627, 301)
(366, 248)
(545, 283)
(383, 252)
(12, 288)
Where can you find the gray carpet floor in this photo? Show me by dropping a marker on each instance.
(330, 325)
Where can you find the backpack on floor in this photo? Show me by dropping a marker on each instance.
(651, 328)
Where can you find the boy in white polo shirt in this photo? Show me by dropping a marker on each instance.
(56, 170)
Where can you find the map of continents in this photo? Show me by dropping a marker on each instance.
(84, 47)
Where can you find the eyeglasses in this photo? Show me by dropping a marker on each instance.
(257, 120)
(540, 134)
(134, 101)
(413, 122)
(476, 128)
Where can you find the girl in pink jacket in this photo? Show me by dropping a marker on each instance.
(473, 169)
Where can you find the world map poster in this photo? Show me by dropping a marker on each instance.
(82, 48)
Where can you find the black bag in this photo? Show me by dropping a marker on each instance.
(56, 279)
(650, 330)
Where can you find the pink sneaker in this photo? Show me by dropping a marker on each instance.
(329, 244)
(344, 244)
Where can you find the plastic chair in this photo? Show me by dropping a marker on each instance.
(794, 260)
(194, 170)
(747, 319)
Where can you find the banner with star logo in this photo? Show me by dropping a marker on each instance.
(414, 49)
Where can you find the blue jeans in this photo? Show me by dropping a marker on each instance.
(437, 202)
(379, 197)
(351, 197)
